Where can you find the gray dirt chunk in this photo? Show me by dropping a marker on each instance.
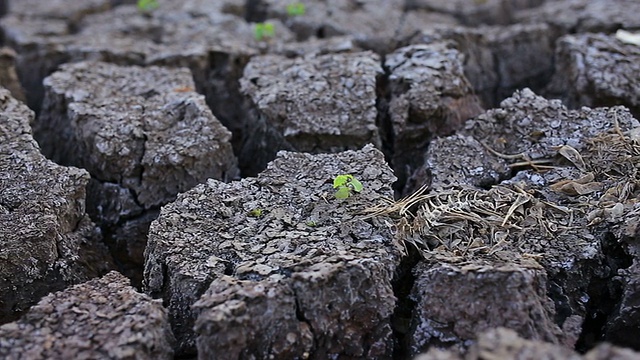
(457, 301)
(38, 30)
(321, 103)
(597, 70)
(280, 266)
(430, 96)
(314, 47)
(100, 319)
(559, 209)
(8, 75)
(523, 131)
(500, 59)
(59, 9)
(473, 13)
(142, 133)
(214, 45)
(619, 154)
(505, 344)
(582, 16)
(46, 239)
(144, 128)
(376, 24)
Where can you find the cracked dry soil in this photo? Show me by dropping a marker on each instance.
(166, 180)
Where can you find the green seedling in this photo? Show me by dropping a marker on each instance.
(296, 9)
(148, 5)
(346, 185)
(311, 223)
(257, 212)
(264, 31)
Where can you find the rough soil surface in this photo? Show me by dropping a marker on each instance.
(8, 75)
(505, 344)
(47, 240)
(597, 70)
(525, 215)
(281, 240)
(376, 24)
(143, 134)
(99, 319)
(484, 12)
(291, 109)
(499, 59)
(213, 44)
(580, 16)
(555, 215)
(457, 301)
(429, 97)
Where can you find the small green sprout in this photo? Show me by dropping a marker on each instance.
(296, 9)
(148, 5)
(345, 185)
(264, 31)
(257, 212)
(311, 223)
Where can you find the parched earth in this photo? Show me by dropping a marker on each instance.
(167, 179)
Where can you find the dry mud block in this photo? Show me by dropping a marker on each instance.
(526, 131)
(194, 34)
(46, 239)
(473, 13)
(499, 59)
(101, 319)
(376, 24)
(60, 9)
(456, 302)
(621, 217)
(321, 103)
(276, 265)
(142, 133)
(597, 70)
(573, 189)
(429, 96)
(8, 75)
(582, 16)
(30, 22)
(505, 344)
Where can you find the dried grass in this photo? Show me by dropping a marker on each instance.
(466, 221)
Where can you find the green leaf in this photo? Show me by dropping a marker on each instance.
(343, 193)
(257, 212)
(355, 184)
(262, 31)
(341, 180)
(148, 5)
(269, 29)
(295, 9)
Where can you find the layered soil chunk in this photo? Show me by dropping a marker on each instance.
(429, 96)
(499, 59)
(376, 25)
(581, 16)
(102, 318)
(474, 13)
(502, 343)
(276, 265)
(47, 240)
(196, 34)
(597, 70)
(144, 134)
(546, 230)
(320, 103)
